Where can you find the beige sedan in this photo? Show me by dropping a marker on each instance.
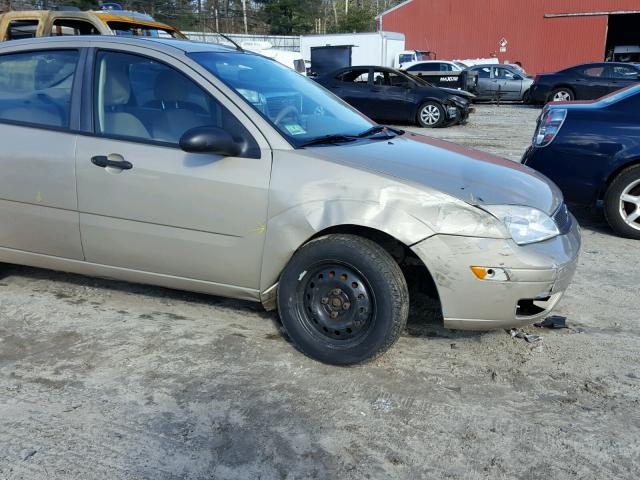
(204, 168)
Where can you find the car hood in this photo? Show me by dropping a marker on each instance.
(460, 93)
(469, 175)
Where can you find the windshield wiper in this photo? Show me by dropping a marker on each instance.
(379, 129)
(328, 139)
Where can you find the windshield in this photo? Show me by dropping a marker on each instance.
(298, 107)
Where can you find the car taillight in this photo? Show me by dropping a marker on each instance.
(536, 78)
(549, 125)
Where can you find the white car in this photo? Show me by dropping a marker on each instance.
(434, 66)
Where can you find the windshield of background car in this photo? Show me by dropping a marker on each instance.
(297, 106)
(128, 29)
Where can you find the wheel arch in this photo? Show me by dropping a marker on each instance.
(618, 168)
(562, 85)
(416, 272)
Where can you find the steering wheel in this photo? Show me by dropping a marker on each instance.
(285, 112)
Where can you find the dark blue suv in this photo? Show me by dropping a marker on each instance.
(591, 150)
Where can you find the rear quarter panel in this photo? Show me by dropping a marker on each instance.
(592, 144)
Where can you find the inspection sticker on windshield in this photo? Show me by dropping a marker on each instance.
(294, 129)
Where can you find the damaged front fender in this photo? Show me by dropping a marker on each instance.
(310, 195)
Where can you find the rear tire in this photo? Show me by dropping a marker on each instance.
(622, 203)
(526, 97)
(343, 299)
(431, 115)
(562, 94)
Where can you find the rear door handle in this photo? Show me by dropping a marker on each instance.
(104, 162)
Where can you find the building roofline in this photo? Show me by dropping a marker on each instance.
(389, 10)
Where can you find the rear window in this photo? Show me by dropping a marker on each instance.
(35, 87)
(594, 72)
(64, 27)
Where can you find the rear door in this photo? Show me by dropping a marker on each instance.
(593, 81)
(162, 210)
(354, 87)
(486, 85)
(38, 119)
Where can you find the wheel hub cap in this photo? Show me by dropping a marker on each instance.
(430, 114)
(630, 205)
(336, 302)
(562, 96)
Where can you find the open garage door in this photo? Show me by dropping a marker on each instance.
(623, 38)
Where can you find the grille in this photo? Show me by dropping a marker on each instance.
(562, 217)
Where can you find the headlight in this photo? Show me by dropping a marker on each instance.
(525, 224)
(459, 101)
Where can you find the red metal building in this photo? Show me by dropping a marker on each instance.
(544, 35)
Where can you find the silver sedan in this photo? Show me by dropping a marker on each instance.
(216, 170)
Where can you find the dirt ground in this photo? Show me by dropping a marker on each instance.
(107, 380)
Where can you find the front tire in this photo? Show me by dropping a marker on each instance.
(562, 94)
(343, 299)
(431, 115)
(622, 203)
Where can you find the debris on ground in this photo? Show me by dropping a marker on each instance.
(554, 321)
(529, 338)
(28, 455)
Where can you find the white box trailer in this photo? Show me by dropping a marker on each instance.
(375, 48)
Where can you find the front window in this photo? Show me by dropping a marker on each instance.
(298, 107)
(141, 99)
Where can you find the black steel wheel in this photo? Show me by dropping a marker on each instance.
(336, 303)
(343, 299)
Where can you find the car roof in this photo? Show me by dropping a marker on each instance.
(185, 46)
(484, 65)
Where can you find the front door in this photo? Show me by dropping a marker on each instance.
(156, 208)
(390, 95)
(623, 75)
(507, 83)
(38, 209)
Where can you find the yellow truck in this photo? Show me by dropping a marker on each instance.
(15, 25)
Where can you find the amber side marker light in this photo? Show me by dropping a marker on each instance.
(490, 273)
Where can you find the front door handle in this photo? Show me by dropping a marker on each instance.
(104, 162)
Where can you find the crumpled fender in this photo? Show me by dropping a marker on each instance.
(309, 196)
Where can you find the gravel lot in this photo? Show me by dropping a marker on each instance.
(107, 380)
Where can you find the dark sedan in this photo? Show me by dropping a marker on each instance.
(591, 150)
(386, 94)
(584, 82)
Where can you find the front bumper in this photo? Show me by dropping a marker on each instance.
(538, 276)
(457, 114)
(538, 94)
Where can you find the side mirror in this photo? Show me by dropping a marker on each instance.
(210, 140)
(517, 77)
